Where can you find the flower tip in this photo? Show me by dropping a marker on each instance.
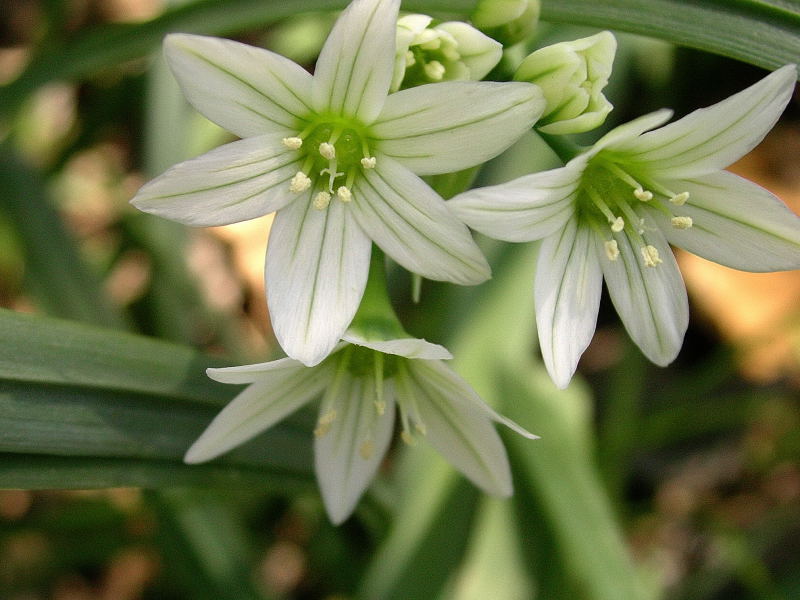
(196, 455)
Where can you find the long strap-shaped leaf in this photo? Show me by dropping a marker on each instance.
(762, 32)
(82, 407)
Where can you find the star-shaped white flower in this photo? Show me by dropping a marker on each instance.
(360, 384)
(338, 159)
(613, 211)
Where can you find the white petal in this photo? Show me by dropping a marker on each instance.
(456, 428)
(250, 373)
(525, 209)
(712, 138)
(449, 126)
(567, 290)
(406, 347)
(317, 264)
(651, 301)
(262, 404)
(413, 225)
(246, 90)
(235, 182)
(479, 52)
(355, 67)
(350, 452)
(735, 223)
(631, 130)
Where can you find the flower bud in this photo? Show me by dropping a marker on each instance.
(450, 51)
(509, 21)
(572, 76)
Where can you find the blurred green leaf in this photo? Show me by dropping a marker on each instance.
(756, 31)
(83, 407)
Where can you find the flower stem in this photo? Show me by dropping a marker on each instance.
(375, 318)
(562, 146)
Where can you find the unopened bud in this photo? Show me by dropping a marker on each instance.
(509, 21)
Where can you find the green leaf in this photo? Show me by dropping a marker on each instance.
(83, 407)
(764, 33)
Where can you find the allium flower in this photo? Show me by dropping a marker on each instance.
(338, 160)
(360, 384)
(613, 211)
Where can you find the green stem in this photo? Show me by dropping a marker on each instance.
(565, 149)
(375, 318)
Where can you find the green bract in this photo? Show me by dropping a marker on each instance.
(338, 158)
(572, 76)
(612, 212)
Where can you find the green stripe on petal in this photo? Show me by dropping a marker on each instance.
(349, 453)
(355, 66)
(525, 209)
(235, 182)
(446, 127)
(567, 290)
(712, 138)
(735, 223)
(317, 265)
(262, 404)
(456, 428)
(246, 90)
(651, 301)
(412, 224)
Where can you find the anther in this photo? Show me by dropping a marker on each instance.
(612, 249)
(434, 70)
(650, 256)
(293, 143)
(324, 423)
(407, 438)
(618, 225)
(380, 407)
(368, 162)
(643, 195)
(680, 199)
(299, 183)
(327, 151)
(366, 449)
(344, 194)
(681, 222)
(410, 60)
(321, 200)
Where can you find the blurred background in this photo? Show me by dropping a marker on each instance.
(680, 483)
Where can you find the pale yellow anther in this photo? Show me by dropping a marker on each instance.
(369, 162)
(293, 143)
(410, 60)
(680, 199)
(450, 52)
(618, 225)
(612, 249)
(643, 195)
(420, 427)
(434, 70)
(407, 438)
(433, 44)
(327, 151)
(321, 200)
(380, 406)
(650, 256)
(366, 449)
(299, 183)
(681, 222)
(344, 194)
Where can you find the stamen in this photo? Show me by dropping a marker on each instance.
(643, 195)
(433, 44)
(600, 204)
(324, 423)
(434, 70)
(612, 249)
(293, 143)
(368, 162)
(618, 225)
(366, 449)
(450, 53)
(679, 199)
(681, 222)
(344, 194)
(410, 60)
(299, 183)
(650, 256)
(321, 200)
(380, 405)
(407, 438)
(327, 151)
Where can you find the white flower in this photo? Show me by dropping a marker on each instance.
(338, 160)
(613, 211)
(360, 384)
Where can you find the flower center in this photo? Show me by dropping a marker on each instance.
(333, 155)
(608, 202)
